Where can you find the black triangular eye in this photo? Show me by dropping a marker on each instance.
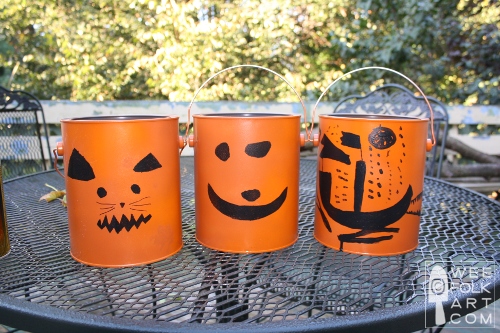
(258, 149)
(79, 168)
(148, 163)
(222, 151)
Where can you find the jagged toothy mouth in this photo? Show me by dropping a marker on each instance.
(124, 222)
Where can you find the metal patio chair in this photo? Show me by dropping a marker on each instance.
(394, 99)
(24, 140)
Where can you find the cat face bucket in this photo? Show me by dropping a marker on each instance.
(246, 179)
(370, 181)
(123, 188)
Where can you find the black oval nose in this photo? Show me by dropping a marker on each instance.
(251, 195)
(122, 204)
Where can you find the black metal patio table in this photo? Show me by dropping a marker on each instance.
(304, 288)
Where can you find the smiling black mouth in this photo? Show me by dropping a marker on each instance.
(247, 213)
(124, 222)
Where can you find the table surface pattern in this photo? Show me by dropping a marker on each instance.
(300, 288)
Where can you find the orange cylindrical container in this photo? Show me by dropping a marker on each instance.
(246, 177)
(246, 181)
(370, 179)
(369, 182)
(123, 188)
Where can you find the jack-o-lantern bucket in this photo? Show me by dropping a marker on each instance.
(246, 178)
(370, 180)
(123, 188)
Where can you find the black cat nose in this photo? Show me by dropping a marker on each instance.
(122, 204)
(251, 195)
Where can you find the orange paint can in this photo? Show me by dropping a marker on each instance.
(246, 179)
(370, 180)
(123, 188)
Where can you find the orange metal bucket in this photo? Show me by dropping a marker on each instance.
(370, 181)
(123, 188)
(246, 179)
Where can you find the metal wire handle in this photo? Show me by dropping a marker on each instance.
(239, 66)
(383, 68)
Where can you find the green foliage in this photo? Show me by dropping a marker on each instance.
(165, 49)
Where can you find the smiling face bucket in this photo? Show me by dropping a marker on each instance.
(123, 189)
(246, 177)
(246, 181)
(370, 181)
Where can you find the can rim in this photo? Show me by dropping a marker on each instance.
(373, 117)
(246, 115)
(119, 118)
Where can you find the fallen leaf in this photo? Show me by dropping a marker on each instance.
(55, 194)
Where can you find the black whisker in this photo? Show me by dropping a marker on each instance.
(138, 200)
(109, 204)
(138, 210)
(140, 205)
(107, 211)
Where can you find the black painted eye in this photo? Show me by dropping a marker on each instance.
(258, 149)
(135, 188)
(222, 151)
(101, 192)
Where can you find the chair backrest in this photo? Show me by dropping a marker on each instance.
(22, 125)
(394, 99)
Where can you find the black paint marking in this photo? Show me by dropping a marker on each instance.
(331, 151)
(222, 151)
(79, 168)
(124, 222)
(382, 137)
(324, 218)
(350, 140)
(148, 163)
(417, 198)
(372, 221)
(247, 213)
(135, 188)
(258, 149)
(359, 185)
(357, 237)
(251, 195)
(101, 192)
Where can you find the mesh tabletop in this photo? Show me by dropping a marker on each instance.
(306, 287)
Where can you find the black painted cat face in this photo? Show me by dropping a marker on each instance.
(257, 150)
(128, 212)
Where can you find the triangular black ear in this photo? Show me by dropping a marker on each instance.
(79, 168)
(148, 163)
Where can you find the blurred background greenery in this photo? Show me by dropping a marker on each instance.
(164, 49)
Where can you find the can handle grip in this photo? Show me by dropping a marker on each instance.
(59, 151)
(186, 137)
(430, 142)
